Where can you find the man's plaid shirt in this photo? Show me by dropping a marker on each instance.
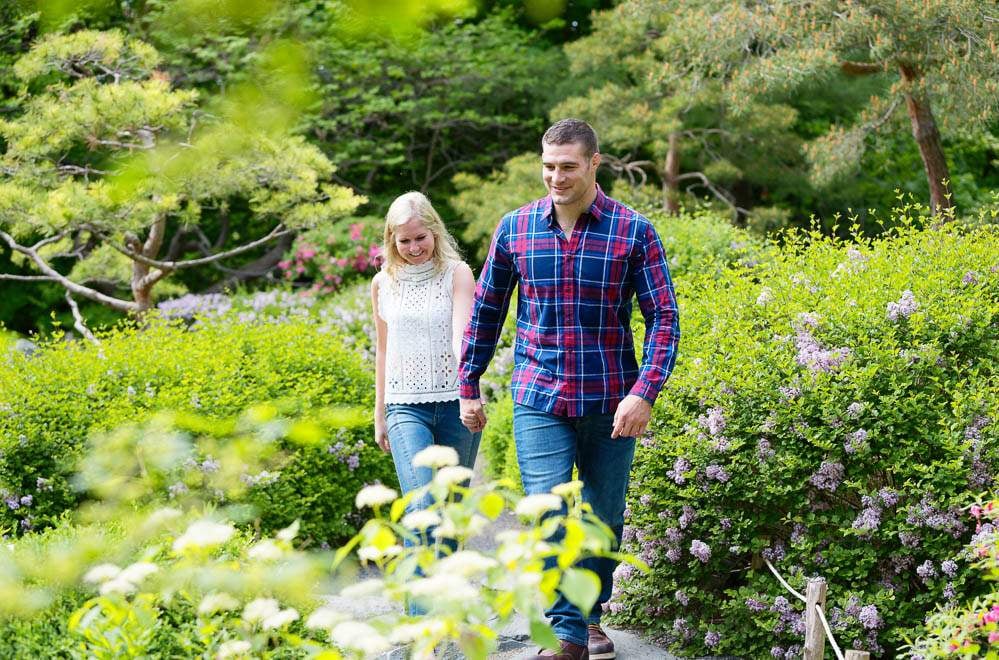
(574, 353)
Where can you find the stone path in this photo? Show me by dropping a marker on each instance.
(514, 640)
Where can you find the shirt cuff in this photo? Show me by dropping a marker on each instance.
(645, 390)
(468, 390)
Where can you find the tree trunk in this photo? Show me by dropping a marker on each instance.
(671, 174)
(924, 130)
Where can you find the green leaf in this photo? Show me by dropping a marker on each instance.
(543, 635)
(581, 587)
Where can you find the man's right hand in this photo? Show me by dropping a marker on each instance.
(473, 415)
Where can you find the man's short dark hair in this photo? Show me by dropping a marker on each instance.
(569, 131)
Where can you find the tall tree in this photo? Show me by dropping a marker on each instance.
(941, 60)
(112, 169)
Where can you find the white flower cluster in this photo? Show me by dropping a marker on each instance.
(203, 534)
(114, 580)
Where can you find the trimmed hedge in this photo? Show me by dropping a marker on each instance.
(50, 403)
(832, 412)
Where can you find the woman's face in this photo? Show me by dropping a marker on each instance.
(414, 242)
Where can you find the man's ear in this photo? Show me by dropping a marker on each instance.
(595, 161)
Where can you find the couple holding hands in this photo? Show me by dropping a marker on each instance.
(577, 258)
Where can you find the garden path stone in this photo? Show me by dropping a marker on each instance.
(514, 639)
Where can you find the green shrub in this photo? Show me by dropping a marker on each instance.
(831, 413)
(50, 403)
(498, 448)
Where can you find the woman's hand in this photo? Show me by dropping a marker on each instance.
(381, 433)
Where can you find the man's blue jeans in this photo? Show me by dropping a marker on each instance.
(547, 447)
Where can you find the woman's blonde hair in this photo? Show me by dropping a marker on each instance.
(405, 208)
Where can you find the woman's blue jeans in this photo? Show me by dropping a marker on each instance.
(547, 448)
(412, 427)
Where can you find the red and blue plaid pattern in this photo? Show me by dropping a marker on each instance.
(574, 353)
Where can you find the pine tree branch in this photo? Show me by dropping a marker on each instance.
(79, 323)
(68, 284)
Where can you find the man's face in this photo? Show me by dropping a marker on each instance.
(568, 174)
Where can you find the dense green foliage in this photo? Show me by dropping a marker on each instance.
(54, 400)
(832, 412)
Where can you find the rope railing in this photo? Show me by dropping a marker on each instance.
(815, 602)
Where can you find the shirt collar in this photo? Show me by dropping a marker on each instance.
(595, 210)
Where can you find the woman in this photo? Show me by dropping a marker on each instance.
(421, 302)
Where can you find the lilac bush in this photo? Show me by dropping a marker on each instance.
(839, 433)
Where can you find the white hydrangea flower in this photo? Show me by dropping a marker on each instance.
(374, 495)
(573, 488)
(232, 649)
(363, 589)
(360, 637)
(260, 609)
(204, 534)
(765, 297)
(436, 456)
(265, 550)
(465, 563)
(117, 586)
(160, 517)
(138, 571)
(421, 519)
(218, 602)
(102, 573)
(373, 553)
(453, 474)
(289, 533)
(446, 530)
(444, 587)
(325, 618)
(279, 620)
(533, 506)
(423, 628)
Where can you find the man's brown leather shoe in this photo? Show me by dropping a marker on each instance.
(567, 651)
(600, 646)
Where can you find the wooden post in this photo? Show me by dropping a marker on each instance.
(857, 655)
(815, 634)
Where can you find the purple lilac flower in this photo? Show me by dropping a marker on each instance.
(210, 465)
(26, 524)
(775, 553)
(681, 597)
(798, 625)
(726, 523)
(178, 489)
(682, 628)
(41, 483)
(777, 652)
(828, 476)
(712, 638)
(673, 535)
(904, 308)
(763, 449)
(813, 356)
(623, 572)
(807, 320)
(673, 554)
(27, 500)
(645, 499)
(190, 305)
(926, 571)
(855, 441)
(680, 466)
(717, 473)
(793, 652)
(868, 520)
(353, 461)
(971, 277)
(688, 516)
(714, 421)
(888, 496)
(974, 430)
(789, 393)
(13, 503)
(701, 550)
(798, 533)
(949, 592)
(949, 568)
(869, 617)
(854, 410)
(755, 605)
(629, 534)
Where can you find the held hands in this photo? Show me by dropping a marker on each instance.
(632, 417)
(473, 415)
(381, 432)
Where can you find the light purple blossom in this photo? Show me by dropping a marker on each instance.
(680, 466)
(789, 393)
(775, 553)
(855, 441)
(712, 638)
(755, 605)
(888, 496)
(971, 277)
(13, 503)
(714, 421)
(904, 308)
(807, 320)
(681, 597)
(868, 520)
(645, 499)
(798, 533)
(673, 554)
(688, 516)
(926, 571)
(950, 592)
(701, 550)
(210, 465)
(854, 410)
(178, 489)
(717, 473)
(763, 449)
(673, 535)
(777, 652)
(353, 461)
(41, 483)
(869, 617)
(949, 568)
(27, 500)
(828, 477)
(726, 523)
(815, 357)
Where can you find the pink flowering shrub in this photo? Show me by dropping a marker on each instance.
(331, 257)
(834, 410)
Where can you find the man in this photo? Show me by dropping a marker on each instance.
(577, 258)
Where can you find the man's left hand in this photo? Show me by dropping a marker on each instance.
(632, 417)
